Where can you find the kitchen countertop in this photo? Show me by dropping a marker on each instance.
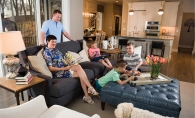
(162, 37)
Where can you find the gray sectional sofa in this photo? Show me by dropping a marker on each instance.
(61, 91)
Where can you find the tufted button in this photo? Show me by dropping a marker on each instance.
(170, 96)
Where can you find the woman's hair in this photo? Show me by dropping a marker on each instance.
(57, 11)
(120, 63)
(130, 44)
(50, 37)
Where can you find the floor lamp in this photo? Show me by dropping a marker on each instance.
(11, 42)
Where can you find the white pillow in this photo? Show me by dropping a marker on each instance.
(39, 64)
(81, 53)
(85, 46)
(138, 50)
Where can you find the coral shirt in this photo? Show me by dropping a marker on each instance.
(93, 51)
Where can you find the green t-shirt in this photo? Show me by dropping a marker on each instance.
(110, 76)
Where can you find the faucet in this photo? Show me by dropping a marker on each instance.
(135, 31)
(135, 28)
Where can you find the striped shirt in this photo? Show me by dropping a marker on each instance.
(133, 60)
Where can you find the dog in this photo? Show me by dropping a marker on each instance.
(127, 110)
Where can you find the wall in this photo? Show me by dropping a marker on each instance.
(109, 19)
(186, 6)
(187, 33)
(76, 20)
(72, 18)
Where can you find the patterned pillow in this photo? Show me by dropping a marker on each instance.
(69, 58)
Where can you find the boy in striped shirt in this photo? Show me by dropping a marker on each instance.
(134, 60)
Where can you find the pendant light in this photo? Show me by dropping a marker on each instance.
(131, 12)
(160, 11)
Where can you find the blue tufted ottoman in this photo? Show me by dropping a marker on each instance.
(162, 99)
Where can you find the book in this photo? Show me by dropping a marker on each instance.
(73, 62)
(23, 77)
(25, 82)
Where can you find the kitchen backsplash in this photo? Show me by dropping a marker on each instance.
(168, 30)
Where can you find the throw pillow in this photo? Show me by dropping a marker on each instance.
(138, 50)
(39, 64)
(39, 54)
(85, 46)
(81, 53)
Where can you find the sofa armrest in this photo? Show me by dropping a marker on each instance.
(31, 109)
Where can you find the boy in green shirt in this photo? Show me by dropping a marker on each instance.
(114, 75)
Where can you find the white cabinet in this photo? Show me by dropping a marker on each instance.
(143, 11)
(152, 12)
(170, 14)
(136, 22)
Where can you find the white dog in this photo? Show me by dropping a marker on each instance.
(127, 110)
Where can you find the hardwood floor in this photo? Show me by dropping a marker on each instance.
(181, 67)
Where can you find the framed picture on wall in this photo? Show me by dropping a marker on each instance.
(92, 22)
(56, 5)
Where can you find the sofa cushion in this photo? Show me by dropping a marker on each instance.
(72, 46)
(138, 50)
(57, 111)
(85, 46)
(81, 53)
(63, 86)
(97, 67)
(145, 47)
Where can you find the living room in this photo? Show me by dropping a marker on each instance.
(176, 68)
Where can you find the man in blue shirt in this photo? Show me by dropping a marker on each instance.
(53, 27)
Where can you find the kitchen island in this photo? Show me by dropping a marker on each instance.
(168, 42)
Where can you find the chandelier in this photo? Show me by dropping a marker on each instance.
(87, 14)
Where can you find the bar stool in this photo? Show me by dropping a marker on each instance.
(121, 43)
(158, 45)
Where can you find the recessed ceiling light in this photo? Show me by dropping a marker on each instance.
(116, 1)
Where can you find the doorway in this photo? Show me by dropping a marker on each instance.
(116, 25)
(186, 42)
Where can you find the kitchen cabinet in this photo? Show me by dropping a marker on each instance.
(136, 22)
(152, 12)
(143, 11)
(170, 14)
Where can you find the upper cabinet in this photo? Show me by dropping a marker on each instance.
(136, 22)
(152, 11)
(170, 13)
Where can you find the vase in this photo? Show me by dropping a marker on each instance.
(154, 73)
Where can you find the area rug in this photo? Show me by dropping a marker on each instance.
(187, 91)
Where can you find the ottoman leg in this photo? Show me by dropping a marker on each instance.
(103, 105)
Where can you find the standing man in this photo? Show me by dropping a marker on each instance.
(53, 27)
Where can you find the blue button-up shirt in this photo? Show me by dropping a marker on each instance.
(51, 27)
(54, 58)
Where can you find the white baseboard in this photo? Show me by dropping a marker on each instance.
(174, 50)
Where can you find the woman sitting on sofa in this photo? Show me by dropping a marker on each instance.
(54, 57)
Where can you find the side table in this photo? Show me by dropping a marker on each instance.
(10, 85)
(112, 52)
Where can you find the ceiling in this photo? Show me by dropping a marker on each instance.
(112, 1)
